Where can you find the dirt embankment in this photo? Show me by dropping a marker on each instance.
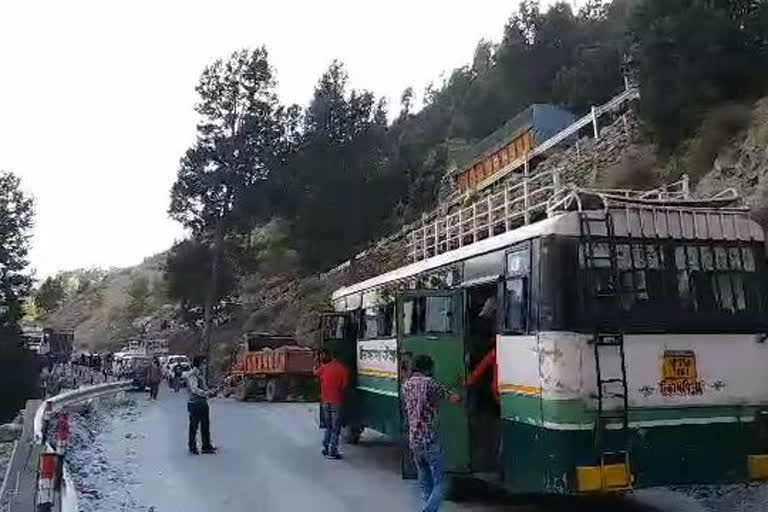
(742, 162)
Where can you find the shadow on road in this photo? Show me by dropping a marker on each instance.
(499, 501)
(479, 495)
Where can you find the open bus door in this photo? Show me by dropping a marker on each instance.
(431, 322)
(339, 338)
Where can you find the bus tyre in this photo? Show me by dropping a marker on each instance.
(352, 434)
(457, 488)
(273, 390)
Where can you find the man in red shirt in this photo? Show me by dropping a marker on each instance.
(487, 363)
(334, 379)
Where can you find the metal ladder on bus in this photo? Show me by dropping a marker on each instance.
(606, 335)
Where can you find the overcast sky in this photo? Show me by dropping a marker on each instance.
(96, 98)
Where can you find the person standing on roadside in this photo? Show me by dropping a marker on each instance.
(198, 408)
(422, 395)
(334, 379)
(154, 376)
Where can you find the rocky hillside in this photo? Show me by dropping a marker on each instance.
(742, 162)
(115, 306)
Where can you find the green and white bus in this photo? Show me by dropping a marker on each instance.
(630, 338)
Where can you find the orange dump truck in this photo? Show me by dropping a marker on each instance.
(271, 366)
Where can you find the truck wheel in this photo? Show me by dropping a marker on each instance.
(241, 392)
(272, 391)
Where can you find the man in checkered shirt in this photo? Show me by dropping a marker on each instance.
(422, 395)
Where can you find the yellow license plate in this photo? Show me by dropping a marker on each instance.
(678, 374)
(680, 364)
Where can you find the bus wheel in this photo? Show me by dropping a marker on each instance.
(272, 391)
(458, 489)
(352, 434)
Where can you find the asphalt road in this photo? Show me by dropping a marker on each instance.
(269, 460)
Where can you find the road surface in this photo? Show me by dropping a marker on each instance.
(269, 460)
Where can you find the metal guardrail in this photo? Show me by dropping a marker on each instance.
(54, 490)
(72, 397)
(591, 118)
(628, 95)
(498, 212)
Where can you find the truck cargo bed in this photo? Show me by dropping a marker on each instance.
(280, 361)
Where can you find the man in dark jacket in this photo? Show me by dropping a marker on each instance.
(197, 406)
(154, 376)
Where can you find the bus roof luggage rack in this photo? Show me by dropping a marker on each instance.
(532, 198)
(592, 199)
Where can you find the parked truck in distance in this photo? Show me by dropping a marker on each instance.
(273, 367)
(57, 344)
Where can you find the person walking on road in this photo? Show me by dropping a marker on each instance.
(334, 379)
(198, 408)
(154, 376)
(177, 376)
(422, 395)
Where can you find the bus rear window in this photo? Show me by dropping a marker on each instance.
(670, 285)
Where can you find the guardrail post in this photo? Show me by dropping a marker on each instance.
(594, 122)
(46, 481)
(62, 433)
(507, 226)
(526, 199)
(46, 419)
(686, 186)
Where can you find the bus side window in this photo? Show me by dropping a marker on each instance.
(515, 293)
(515, 311)
(439, 315)
(386, 319)
(413, 315)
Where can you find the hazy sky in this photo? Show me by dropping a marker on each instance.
(96, 98)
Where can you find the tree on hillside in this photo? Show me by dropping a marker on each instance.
(18, 368)
(692, 54)
(340, 182)
(239, 140)
(139, 294)
(50, 294)
(187, 275)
